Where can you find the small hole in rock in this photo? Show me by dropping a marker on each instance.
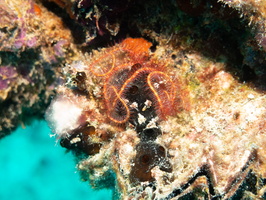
(145, 159)
(173, 56)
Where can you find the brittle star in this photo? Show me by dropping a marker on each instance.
(118, 79)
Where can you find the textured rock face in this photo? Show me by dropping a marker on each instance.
(33, 44)
(168, 129)
(178, 115)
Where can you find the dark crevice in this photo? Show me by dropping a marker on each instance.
(204, 171)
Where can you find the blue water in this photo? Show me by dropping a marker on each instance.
(34, 167)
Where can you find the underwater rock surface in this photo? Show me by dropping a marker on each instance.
(162, 135)
(161, 100)
(34, 44)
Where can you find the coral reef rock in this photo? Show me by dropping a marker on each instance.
(33, 45)
(156, 99)
(167, 129)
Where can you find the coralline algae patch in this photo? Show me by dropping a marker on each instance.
(34, 43)
(25, 28)
(167, 126)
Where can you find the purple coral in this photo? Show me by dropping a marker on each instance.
(7, 75)
(58, 48)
